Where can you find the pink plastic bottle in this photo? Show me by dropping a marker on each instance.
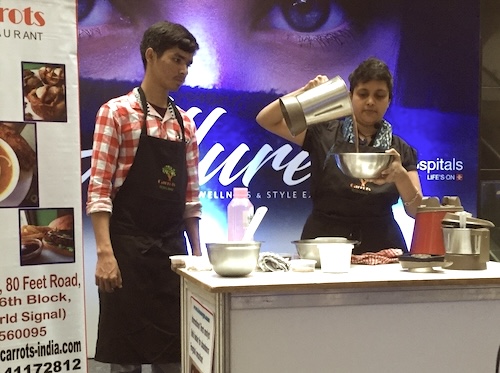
(239, 214)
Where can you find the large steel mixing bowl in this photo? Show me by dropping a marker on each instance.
(233, 259)
(363, 165)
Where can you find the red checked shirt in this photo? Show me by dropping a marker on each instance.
(116, 138)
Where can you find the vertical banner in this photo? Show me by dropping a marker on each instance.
(42, 320)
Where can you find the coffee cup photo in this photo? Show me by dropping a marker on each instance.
(9, 170)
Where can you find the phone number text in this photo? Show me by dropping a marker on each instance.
(48, 367)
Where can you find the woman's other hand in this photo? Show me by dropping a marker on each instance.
(393, 172)
(407, 183)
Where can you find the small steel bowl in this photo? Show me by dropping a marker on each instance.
(233, 259)
(31, 248)
(363, 165)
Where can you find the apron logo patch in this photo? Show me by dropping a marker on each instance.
(168, 183)
(362, 187)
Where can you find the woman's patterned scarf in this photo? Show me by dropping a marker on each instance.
(383, 137)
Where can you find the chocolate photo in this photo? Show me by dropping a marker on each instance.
(44, 90)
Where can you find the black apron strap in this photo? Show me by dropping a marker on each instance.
(178, 116)
(145, 109)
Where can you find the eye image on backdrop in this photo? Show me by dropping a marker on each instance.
(18, 165)
(44, 89)
(46, 236)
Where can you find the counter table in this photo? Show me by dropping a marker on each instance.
(373, 319)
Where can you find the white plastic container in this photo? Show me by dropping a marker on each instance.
(335, 257)
(240, 212)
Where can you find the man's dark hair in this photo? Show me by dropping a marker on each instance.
(371, 69)
(165, 35)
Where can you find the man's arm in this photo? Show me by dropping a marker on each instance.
(193, 233)
(107, 273)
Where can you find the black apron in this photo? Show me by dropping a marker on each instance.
(346, 207)
(140, 323)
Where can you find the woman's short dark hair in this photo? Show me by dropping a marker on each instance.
(165, 35)
(371, 69)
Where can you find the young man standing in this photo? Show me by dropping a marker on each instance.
(143, 195)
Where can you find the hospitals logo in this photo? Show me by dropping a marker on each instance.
(441, 169)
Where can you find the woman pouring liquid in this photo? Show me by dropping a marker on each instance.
(343, 206)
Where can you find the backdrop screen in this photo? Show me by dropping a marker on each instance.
(252, 52)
